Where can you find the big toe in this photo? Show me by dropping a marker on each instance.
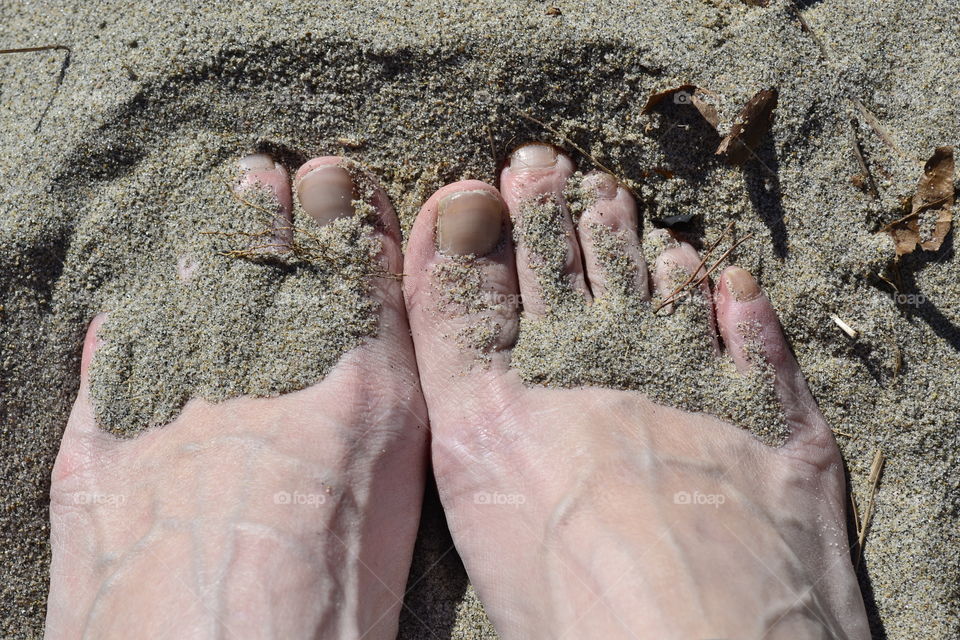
(461, 290)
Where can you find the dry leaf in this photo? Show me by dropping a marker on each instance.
(552, 11)
(931, 208)
(751, 124)
(688, 94)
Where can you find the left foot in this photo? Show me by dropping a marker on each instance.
(286, 517)
(595, 513)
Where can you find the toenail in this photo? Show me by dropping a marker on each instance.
(604, 184)
(741, 284)
(326, 193)
(469, 222)
(533, 156)
(256, 162)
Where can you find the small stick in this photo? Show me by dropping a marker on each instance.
(874, 123)
(806, 27)
(571, 143)
(864, 167)
(48, 47)
(726, 254)
(706, 275)
(888, 281)
(242, 200)
(914, 214)
(703, 261)
(852, 333)
(875, 468)
(60, 76)
(493, 147)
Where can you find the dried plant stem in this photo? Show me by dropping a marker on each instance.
(693, 283)
(703, 261)
(572, 144)
(862, 523)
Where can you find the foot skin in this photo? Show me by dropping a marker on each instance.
(595, 513)
(287, 517)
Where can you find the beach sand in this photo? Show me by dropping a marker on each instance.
(115, 154)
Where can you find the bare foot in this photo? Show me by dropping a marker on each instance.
(595, 513)
(287, 517)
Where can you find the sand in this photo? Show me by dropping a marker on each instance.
(154, 99)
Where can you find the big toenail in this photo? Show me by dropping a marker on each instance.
(604, 184)
(256, 162)
(741, 284)
(326, 193)
(533, 156)
(469, 222)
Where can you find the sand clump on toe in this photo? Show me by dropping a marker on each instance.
(244, 320)
(617, 340)
(155, 100)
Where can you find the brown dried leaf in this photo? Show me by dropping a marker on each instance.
(758, 3)
(751, 124)
(935, 195)
(688, 94)
(933, 202)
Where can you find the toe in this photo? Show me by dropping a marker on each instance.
(259, 171)
(82, 425)
(607, 231)
(332, 187)
(752, 334)
(460, 282)
(679, 277)
(549, 263)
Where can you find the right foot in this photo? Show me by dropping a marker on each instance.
(563, 503)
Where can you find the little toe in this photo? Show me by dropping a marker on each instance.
(754, 338)
(549, 262)
(460, 282)
(260, 171)
(679, 277)
(607, 230)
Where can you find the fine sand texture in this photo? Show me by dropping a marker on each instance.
(115, 162)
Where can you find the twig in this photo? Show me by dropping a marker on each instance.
(875, 468)
(806, 27)
(888, 281)
(60, 76)
(48, 47)
(864, 167)
(852, 333)
(706, 275)
(874, 123)
(493, 147)
(571, 143)
(703, 261)
(916, 213)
